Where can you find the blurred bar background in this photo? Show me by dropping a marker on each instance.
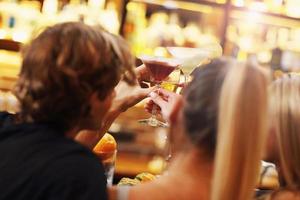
(267, 31)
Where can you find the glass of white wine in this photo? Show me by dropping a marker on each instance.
(191, 58)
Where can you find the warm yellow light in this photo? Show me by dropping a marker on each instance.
(178, 4)
(246, 44)
(96, 3)
(50, 7)
(242, 56)
(277, 2)
(109, 20)
(131, 6)
(292, 8)
(221, 1)
(259, 6)
(170, 4)
(160, 51)
(264, 56)
(3, 34)
(156, 165)
(9, 59)
(239, 3)
(253, 16)
(20, 36)
(264, 19)
(36, 5)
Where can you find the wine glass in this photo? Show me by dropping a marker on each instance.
(194, 57)
(159, 68)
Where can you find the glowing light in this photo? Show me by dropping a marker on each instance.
(259, 6)
(246, 44)
(221, 1)
(96, 3)
(3, 34)
(242, 56)
(160, 51)
(253, 16)
(264, 56)
(278, 2)
(292, 8)
(20, 36)
(239, 3)
(170, 5)
(50, 7)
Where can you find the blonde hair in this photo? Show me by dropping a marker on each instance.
(285, 112)
(241, 133)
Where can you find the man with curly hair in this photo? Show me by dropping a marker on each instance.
(66, 84)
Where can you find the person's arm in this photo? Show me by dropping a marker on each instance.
(126, 97)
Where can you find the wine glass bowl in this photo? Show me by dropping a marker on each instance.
(191, 58)
(159, 69)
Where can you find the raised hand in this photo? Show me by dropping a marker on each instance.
(165, 100)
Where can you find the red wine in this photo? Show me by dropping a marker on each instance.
(160, 70)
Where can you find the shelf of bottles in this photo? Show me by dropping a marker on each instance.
(281, 8)
(20, 20)
(151, 25)
(265, 30)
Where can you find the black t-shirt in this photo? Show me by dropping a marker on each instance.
(38, 163)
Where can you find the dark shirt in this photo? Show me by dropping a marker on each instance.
(38, 163)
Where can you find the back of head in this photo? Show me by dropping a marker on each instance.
(285, 113)
(63, 66)
(200, 112)
(241, 133)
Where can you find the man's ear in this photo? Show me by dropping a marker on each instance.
(175, 112)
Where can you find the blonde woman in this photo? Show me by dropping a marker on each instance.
(284, 139)
(194, 121)
(241, 134)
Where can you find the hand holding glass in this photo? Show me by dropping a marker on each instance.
(159, 69)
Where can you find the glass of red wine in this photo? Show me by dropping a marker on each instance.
(159, 69)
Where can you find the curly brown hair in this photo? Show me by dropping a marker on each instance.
(63, 66)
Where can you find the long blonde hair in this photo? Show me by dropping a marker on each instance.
(285, 112)
(242, 128)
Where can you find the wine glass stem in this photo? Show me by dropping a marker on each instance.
(154, 112)
(168, 153)
(153, 119)
(186, 78)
